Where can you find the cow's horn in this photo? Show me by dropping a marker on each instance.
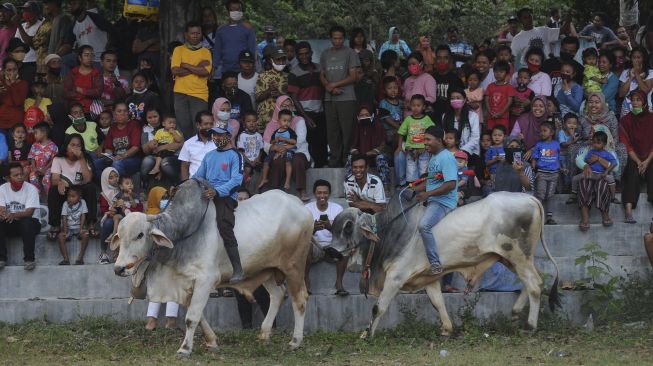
(151, 218)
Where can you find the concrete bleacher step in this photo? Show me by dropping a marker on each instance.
(323, 312)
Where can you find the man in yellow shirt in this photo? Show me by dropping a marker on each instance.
(191, 67)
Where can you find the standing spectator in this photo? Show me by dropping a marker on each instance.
(445, 77)
(529, 37)
(54, 89)
(7, 27)
(394, 43)
(13, 93)
(191, 66)
(597, 32)
(147, 43)
(239, 100)
(19, 203)
(509, 31)
(123, 143)
(499, 97)
(483, 62)
(648, 243)
(141, 99)
(546, 158)
(411, 140)
(115, 88)
(324, 212)
(460, 118)
(540, 81)
(554, 20)
(424, 47)
(358, 41)
(84, 83)
(637, 134)
(90, 28)
(209, 27)
(419, 82)
(233, 38)
(61, 41)
(26, 32)
(270, 85)
(250, 145)
(40, 156)
(370, 139)
(462, 52)
(338, 74)
(289, 47)
(268, 40)
(248, 77)
(638, 77)
(198, 145)
(368, 79)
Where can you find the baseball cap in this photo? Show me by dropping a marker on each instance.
(9, 7)
(32, 7)
(278, 53)
(220, 130)
(513, 19)
(268, 29)
(246, 55)
(460, 155)
(50, 57)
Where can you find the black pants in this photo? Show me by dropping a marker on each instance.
(224, 214)
(245, 309)
(317, 139)
(27, 228)
(56, 201)
(631, 181)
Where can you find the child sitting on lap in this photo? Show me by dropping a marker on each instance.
(166, 136)
(283, 136)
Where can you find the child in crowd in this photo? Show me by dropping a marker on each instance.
(165, 136)
(567, 136)
(39, 87)
(365, 88)
(570, 95)
(496, 153)
(411, 139)
(391, 108)
(110, 189)
(504, 53)
(463, 177)
(105, 120)
(250, 144)
(545, 157)
(480, 170)
(523, 96)
(124, 203)
(284, 135)
(592, 77)
(32, 117)
(73, 222)
(451, 140)
(19, 148)
(498, 97)
(600, 162)
(553, 107)
(40, 156)
(87, 129)
(474, 94)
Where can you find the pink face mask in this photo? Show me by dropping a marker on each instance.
(414, 69)
(457, 103)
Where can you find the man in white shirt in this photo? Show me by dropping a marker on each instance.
(363, 190)
(324, 212)
(18, 216)
(531, 36)
(25, 32)
(248, 76)
(194, 149)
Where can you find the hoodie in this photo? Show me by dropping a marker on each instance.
(400, 47)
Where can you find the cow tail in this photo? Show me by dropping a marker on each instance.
(554, 296)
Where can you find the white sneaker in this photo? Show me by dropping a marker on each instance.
(104, 259)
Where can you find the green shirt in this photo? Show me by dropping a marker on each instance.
(413, 131)
(89, 135)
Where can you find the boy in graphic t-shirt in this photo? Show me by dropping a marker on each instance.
(498, 97)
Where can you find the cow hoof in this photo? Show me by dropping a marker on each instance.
(212, 348)
(445, 335)
(183, 355)
(294, 346)
(365, 335)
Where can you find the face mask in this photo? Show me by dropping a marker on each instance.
(193, 47)
(139, 92)
(533, 68)
(278, 68)
(54, 70)
(231, 91)
(457, 103)
(105, 130)
(620, 61)
(565, 56)
(235, 15)
(18, 56)
(163, 204)
(28, 16)
(442, 67)
(206, 132)
(16, 186)
(221, 142)
(637, 110)
(224, 116)
(77, 121)
(365, 120)
(565, 77)
(521, 85)
(414, 69)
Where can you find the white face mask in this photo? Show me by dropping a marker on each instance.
(223, 116)
(278, 68)
(236, 15)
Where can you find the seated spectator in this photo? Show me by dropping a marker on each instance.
(193, 151)
(18, 215)
(283, 136)
(19, 148)
(39, 99)
(250, 145)
(124, 203)
(110, 189)
(239, 100)
(54, 82)
(141, 99)
(114, 87)
(40, 155)
(363, 190)
(73, 224)
(13, 92)
(638, 76)
(222, 118)
(105, 120)
(611, 85)
(324, 212)
(527, 126)
(71, 168)
(460, 118)
(540, 81)
(571, 94)
(84, 83)
(300, 161)
(369, 138)
(88, 131)
(169, 141)
(122, 143)
(4, 156)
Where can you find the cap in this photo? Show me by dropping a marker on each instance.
(9, 7)
(17, 43)
(278, 53)
(33, 115)
(31, 6)
(220, 130)
(460, 155)
(246, 55)
(513, 19)
(50, 57)
(268, 29)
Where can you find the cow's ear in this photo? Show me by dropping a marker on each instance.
(115, 242)
(160, 238)
(368, 225)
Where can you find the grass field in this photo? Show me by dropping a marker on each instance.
(102, 341)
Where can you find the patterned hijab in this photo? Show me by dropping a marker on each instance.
(603, 116)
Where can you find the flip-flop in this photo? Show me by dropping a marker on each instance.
(607, 223)
(342, 292)
(583, 227)
(64, 263)
(52, 235)
(79, 262)
(93, 232)
(630, 220)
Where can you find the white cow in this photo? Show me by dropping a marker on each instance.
(504, 226)
(187, 259)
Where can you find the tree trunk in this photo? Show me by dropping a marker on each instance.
(173, 15)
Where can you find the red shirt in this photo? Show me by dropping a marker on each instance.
(636, 133)
(12, 103)
(121, 140)
(367, 136)
(498, 98)
(91, 85)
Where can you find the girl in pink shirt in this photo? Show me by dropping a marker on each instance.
(418, 82)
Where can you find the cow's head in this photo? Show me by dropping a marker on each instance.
(351, 229)
(136, 237)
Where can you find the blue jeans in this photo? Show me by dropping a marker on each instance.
(416, 167)
(125, 167)
(400, 167)
(434, 213)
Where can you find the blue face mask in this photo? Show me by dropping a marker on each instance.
(163, 204)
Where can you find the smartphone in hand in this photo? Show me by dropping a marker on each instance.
(517, 158)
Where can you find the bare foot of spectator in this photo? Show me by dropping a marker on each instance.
(151, 323)
(171, 323)
(154, 171)
(607, 222)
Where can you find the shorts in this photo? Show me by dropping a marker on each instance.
(74, 232)
(287, 156)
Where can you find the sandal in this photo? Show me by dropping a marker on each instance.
(64, 263)
(52, 235)
(630, 220)
(93, 232)
(79, 262)
(342, 292)
(550, 221)
(607, 223)
(584, 226)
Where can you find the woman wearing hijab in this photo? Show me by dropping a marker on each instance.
(221, 111)
(109, 183)
(301, 159)
(637, 136)
(527, 126)
(395, 43)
